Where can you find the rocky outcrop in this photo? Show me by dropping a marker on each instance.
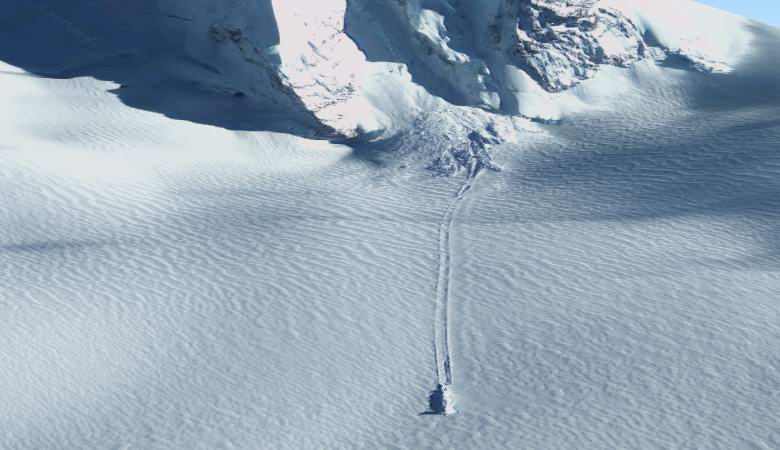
(560, 43)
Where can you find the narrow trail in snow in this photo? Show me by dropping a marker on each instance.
(440, 401)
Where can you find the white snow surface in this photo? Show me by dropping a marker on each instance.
(187, 262)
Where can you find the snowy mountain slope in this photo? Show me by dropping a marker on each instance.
(319, 61)
(230, 279)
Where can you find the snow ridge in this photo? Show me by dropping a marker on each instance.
(459, 53)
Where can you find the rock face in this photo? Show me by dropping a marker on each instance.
(560, 43)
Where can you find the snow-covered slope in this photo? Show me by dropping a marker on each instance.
(477, 53)
(192, 256)
(330, 60)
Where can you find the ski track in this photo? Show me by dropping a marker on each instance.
(442, 319)
(441, 339)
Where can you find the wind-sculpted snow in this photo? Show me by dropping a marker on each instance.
(172, 285)
(185, 262)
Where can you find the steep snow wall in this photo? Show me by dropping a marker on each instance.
(364, 67)
(485, 52)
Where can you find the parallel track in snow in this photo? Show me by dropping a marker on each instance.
(442, 322)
